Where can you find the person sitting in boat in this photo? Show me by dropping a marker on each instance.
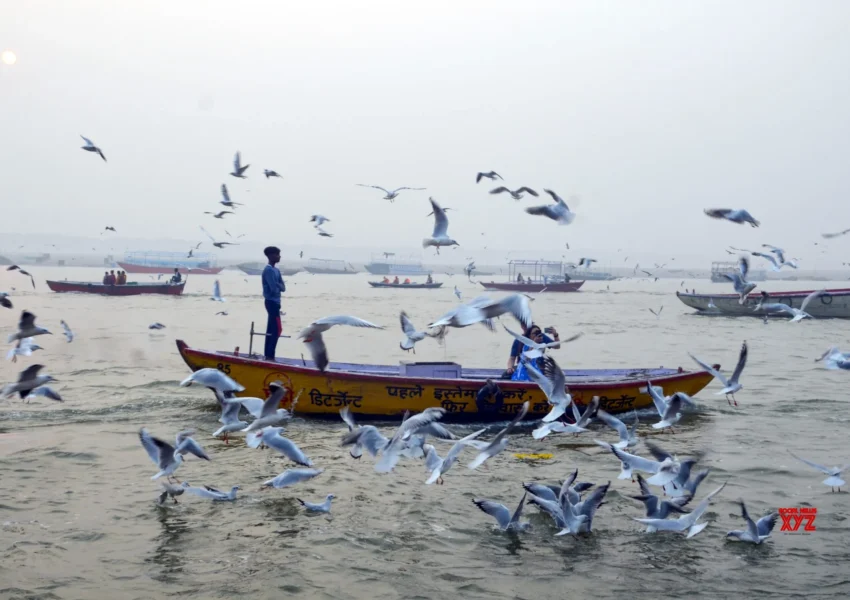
(105, 278)
(519, 278)
(516, 370)
(176, 278)
(429, 279)
(406, 280)
(122, 278)
(395, 281)
(112, 278)
(386, 280)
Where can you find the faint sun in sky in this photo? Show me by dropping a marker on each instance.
(8, 57)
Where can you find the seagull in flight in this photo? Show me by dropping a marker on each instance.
(483, 310)
(225, 198)
(503, 516)
(167, 457)
(834, 235)
(736, 216)
(391, 195)
(834, 480)
(323, 233)
(269, 173)
(757, 531)
(411, 336)
(441, 225)
(492, 175)
(515, 194)
(685, 523)
(22, 272)
(731, 385)
(91, 147)
(69, 335)
(215, 243)
(739, 280)
(319, 220)
(657, 314)
(238, 169)
(220, 214)
(457, 293)
(559, 211)
(312, 336)
(586, 262)
(27, 328)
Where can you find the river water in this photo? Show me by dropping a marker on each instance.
(78, 517)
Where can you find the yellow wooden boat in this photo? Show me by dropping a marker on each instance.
(384, 391)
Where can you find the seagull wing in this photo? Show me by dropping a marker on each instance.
(87, 141)
(769, 257)
(348, 418)
(345, 320)
(148, 443)
(821, 468)
(498, 511)
(318, 351)
(441, 222)
(540, 379)
(522, 338)
(752, 529)
(190, 446)
(527, 189)
(368, 436)
(614, 423)
(555, 197)
(272, 403)
(811, 297)
(377, 187)
(499, 190)
(766, 524)
(406, 326)
(208, 234)
(288, 448)
(236, 162)
(657, 399)
(636, 462)
(518, 511)
(711, 370)
(742, 362)
(224, 193)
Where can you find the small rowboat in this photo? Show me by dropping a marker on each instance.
(833, 304)
(568, 286)
(387, 391)
(408, 286)
(126, 289)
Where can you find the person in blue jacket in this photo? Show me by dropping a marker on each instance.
(273, 286)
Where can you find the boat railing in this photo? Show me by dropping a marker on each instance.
(254, 334)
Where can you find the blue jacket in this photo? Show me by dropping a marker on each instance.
(272, 284)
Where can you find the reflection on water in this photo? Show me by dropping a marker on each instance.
(168, 552)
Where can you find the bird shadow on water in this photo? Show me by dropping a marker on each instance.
(167, 552)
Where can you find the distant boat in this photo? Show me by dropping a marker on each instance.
(126, 289)
(394, 267)
(323, 266)
(257, 269)
(166, 262)
(409, 286)
(833, 304)
(535, 276)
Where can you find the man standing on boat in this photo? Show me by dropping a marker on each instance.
(272, 287)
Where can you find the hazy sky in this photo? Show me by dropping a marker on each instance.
(648, 111)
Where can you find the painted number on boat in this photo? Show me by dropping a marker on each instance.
(223, 367)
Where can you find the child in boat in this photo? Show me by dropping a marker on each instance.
(516, 371)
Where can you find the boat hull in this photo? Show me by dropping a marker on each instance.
(834, 304)
(320, 271)
(249, 270)
(407, 286)
(569, 286)
(373, 391)
(129, 289)
(132, 268)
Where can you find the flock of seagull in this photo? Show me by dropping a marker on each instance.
(572, 504)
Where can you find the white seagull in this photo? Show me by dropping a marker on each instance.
(777, 264)
(440, 235)
(507, 521)
(581, 421)
(628, 437)
(500, 442)
(483, 310)
(736, 216)
(731, 385)
(269, 173)
(211, 493)
(319, 507)
(550, 379)
(291, 477)
(739, 280)
(90, 147)
(28, 382)
(515, 194)
(800, 313)
(25, 347)
(558, 212)
(586, 262)
(69, 335)
(458, 294)
(757, 531)
(27, 328)
(492, 175)
(438, 466)
(312, 336)
(270, 436)
(238, 169)
(391, 195)
(319, 220)
(212, 378)
(225, 198)
(167, 457)
(411, 336)
(834, 480)
(267, 413)
(537, 349)
(685, 523)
